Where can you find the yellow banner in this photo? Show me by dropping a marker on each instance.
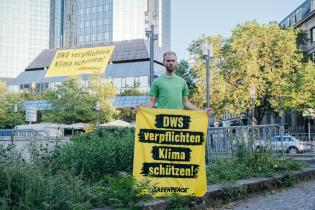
(80, 61)
(170, 150)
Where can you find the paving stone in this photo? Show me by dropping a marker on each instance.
(300, 197)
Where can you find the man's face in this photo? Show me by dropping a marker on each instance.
(170, 62)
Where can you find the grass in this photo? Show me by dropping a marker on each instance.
(261, 163)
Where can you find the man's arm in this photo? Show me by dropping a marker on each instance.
(188, 105)
(150, 104)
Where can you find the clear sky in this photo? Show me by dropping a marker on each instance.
(192, 18)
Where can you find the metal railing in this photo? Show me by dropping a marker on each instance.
(224, 142)
(18, 132)
(304, 136)
(6, 132)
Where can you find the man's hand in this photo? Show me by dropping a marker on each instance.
(150, 104)
(210, 112)
(138, 107)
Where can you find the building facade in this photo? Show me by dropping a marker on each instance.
(28, 27)
(24, 33)
(56, 23)
(129, 68)
(100, 21)
(303, 17)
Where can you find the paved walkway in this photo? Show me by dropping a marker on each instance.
(301, 197)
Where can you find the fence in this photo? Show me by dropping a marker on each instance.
(225, 142)
(304, 136)
(28, 134)
(18, 132)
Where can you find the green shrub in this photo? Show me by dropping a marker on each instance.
(10, 155)
(27, 187)
(121, 191)
(177, 202)
(79, 175)
(94, 155)
(249, 163)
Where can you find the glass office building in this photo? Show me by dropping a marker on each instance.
(24, 33)
(56, 23)
(100, 21)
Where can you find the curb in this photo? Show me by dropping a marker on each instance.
(217, 195)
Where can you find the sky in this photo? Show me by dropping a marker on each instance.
(192, 18)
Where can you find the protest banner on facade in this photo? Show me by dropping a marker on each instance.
(80, 61)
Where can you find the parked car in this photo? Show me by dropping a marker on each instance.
(285, 143)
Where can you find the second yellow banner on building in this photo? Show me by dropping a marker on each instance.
(80, 61)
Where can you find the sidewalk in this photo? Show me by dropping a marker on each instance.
(297, 197)
(217, 195)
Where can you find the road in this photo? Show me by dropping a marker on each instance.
(300, 197)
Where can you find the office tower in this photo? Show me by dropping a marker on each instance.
(24, 33)
(100, 21)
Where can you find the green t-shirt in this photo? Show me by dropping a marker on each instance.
(169, 91)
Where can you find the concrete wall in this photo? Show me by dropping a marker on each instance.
(22, 144)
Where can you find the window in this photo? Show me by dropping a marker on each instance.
(287, 23)
(123, 82)
(298, 15)
(130, 82)
(144, 81)
(292, 20)
(312, 35)
(117, 82)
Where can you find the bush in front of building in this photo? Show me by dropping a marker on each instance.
(93, 170)
(93, 155)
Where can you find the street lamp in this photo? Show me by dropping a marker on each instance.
(152, 37)
(207, 52)
(97, 108)
(252, 93)
(15, 109)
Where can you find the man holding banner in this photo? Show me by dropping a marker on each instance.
(170, 141)
(169, 90)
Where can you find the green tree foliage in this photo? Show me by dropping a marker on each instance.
(132, 92)
(74, 103)
(263, 55)
(198, 65)
(299, 91)
(103, 90)
(128, 114)
(184, 70)
(7, 114)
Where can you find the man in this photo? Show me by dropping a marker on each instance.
(169, 90)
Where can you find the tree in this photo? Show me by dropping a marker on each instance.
(263, 55)
(184, 70)
(132, 92)
(128, 114)
(199, 68)
(104, 91)
(299, 91)
(7, 114)
(71, 103)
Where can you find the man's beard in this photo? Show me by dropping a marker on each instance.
(170, 70)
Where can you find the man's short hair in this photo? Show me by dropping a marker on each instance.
(169, 52)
